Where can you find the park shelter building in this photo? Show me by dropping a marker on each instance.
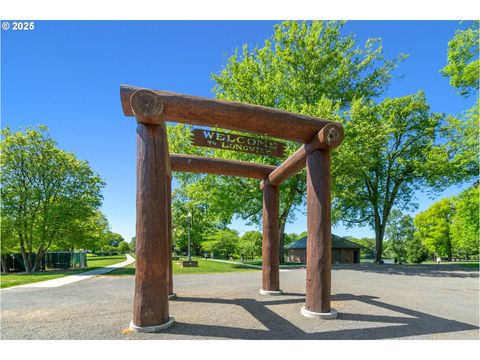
(343, 251)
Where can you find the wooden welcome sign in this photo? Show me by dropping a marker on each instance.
(220, 140)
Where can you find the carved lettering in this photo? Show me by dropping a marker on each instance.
(235, 142)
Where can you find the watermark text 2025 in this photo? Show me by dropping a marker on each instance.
(18, 25)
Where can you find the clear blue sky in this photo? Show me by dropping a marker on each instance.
(66, 75)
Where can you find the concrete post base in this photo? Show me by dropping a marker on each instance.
(172, 296)
(271, 292)
(154, 328)
(332, 314)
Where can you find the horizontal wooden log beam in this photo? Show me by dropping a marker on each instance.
(200, 164)
(154, 106)
(328, 138)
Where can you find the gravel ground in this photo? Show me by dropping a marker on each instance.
(373, 301)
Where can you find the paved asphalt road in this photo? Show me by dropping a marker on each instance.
(373, 301)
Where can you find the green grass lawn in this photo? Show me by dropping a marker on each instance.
(93, 262)
(204, 266)
(258, 262)
(474, 265)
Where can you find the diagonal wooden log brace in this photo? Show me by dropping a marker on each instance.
(328, 138)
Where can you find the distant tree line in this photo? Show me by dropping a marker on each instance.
(449, 229)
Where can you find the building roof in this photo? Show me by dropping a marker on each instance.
(337, 243)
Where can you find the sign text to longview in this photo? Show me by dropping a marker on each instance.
(219, 140)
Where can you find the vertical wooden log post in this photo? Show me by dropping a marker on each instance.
(150, 304)
(270, 241)
(171, 294)
(319, 239)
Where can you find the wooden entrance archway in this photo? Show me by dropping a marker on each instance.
(152, 108)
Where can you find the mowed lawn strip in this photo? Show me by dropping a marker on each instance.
(204, 266)
(93, 262)
(474, 265)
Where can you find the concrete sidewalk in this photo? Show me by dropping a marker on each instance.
(77, 277)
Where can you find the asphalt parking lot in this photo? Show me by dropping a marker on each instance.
(373, 301)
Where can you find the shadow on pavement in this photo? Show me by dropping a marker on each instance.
(417, 323)
(431, 270)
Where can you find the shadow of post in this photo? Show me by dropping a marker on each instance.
(278, 328)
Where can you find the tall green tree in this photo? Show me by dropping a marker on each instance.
(123, 247)
(250, 244)
(433, 228)
(305, 67)
(399, 230)
(415, 251)
(203, 221)
(390, 151)
(222, 242)
(465, 232)
(133, 244)
(44, 191)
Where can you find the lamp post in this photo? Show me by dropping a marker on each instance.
(174, 239)
(189, 216)
(189, 262)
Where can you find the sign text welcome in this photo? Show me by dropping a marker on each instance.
(219, 140)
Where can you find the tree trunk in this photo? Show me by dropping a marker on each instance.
(4, 264)
(379, 234)
(38, 261)
(26, 261)
(283, 221)
(449, 249)
(282, 238)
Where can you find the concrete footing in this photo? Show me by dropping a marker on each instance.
(271, 292)
(172, 296)
(332, 314)
(154, 328)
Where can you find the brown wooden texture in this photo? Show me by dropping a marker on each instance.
(150, 304)
(294, 164)
(271, 239)
(319, 240)
(169, 253)
(200, 164)
(231, 115)
(328, 138)
(236, 142)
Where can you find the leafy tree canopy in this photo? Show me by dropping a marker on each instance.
(433, 227)
(305, 67)
(46, 192)
(250, 244)
(222, 242)
(465, 232)
(391, 150)
(463, 64)
(399, 230)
